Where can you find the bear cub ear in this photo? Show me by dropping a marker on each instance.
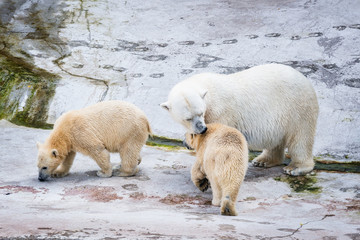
(203, 93)
(165, 105)
(55, 153)
(38, 145)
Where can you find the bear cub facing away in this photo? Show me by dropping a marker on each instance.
(95, 131)
(221, 162)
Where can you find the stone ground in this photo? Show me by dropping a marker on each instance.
(161, 202)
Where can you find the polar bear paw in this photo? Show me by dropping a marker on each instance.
(103, 175)
(59, 174)
(202, 184)
(296, 171)
(265, 162)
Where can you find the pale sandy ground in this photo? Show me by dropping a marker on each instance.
(161, 202)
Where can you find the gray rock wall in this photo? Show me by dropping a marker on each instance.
(137, 50)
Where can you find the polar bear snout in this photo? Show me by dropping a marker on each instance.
(43, 175)
(199, 126)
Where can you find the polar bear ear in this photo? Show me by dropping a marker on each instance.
(165, 105)
(203, 93)
(38, 145)
(55, 153)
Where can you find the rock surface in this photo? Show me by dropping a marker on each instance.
(161, 202)
(137, 51)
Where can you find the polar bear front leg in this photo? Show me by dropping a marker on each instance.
(64, 168)
(270, 158)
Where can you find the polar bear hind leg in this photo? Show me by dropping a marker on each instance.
(102, 158)
(270, 158)
(130, 158)
(301, 156)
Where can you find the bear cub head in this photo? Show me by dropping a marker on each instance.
(188, 108)
(48, 160)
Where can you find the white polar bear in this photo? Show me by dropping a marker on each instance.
(273, 105)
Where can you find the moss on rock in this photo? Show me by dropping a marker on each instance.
(25, 93)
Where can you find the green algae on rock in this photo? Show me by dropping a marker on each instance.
(169, 143)
(300, 183)
(25, 93)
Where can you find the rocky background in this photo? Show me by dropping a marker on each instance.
(59, 55)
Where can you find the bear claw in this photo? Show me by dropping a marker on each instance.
(203, 184)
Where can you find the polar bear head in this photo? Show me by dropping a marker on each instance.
(188, 106)
(48, 160)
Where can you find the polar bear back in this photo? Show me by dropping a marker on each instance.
(267, 103)
(110, 122)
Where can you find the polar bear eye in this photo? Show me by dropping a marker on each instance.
(188, 119)
(44, 168)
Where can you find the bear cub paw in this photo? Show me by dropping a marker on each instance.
(203, 184)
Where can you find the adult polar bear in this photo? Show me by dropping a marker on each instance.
(273, 105)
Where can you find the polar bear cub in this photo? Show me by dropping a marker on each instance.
(273, 105)
(96, 131)
(222, 160)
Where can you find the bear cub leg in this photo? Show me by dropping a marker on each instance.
(198, 177)
(65, 166)
(228, 207)
(130, 159)
(102, 158)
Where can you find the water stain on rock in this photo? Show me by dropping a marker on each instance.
(252, 36)
(355, 26)
(154, 58)
(230, 70)
(139, 177)
(204, 60)
(186, 43)
(157, 75)
(206, 44)
(340, 28)
(315, 34)
(174, 199)
(226, 227)
(330, 66)
(273, 35)
(186, 71)
(107, 66)
(295, 37)
(231, 41)
(131, 187)
(352, 82)
(93, 193)
(287, 230)
(96, 45)
(9, 189)
(136, 75)
(141, 196)
(119, 69)
(304, 67)
(78, 43)
(77, 65)
(162, 45)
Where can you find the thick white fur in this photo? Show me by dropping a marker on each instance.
(96, 131)
(273, 105)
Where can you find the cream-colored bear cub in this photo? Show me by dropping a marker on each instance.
(222, 160)
(96, 131)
